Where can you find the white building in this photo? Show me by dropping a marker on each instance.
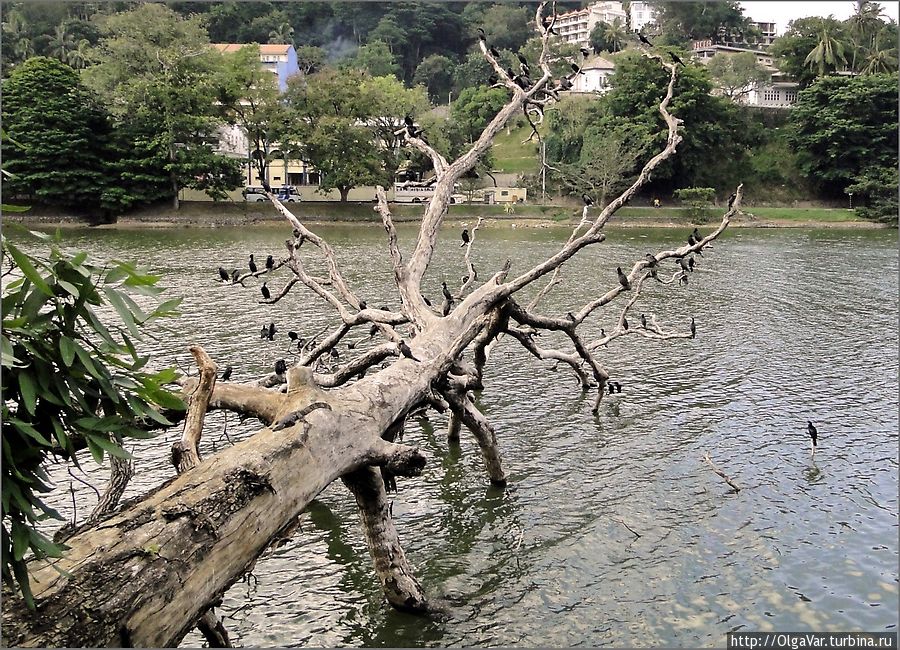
(768, 32)
(596, 78)
(576, 26)
(779, 92)
(641, 14)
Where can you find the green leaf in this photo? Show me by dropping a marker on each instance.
(29, 431)
(26, 387)
(28, 270)
(20, 541)
(70, 288)
(96, 450)
(116, 300)
(86, 361)
(110, 446)
(67, 350)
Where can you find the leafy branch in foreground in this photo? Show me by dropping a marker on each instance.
(71, 379)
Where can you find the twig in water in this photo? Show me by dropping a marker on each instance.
(724, 476)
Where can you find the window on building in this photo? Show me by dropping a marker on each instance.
(639, 15)
(504, 193)
(771, 95)
(790, 97)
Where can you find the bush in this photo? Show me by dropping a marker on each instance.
(699, 201)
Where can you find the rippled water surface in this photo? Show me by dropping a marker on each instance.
(792, 325)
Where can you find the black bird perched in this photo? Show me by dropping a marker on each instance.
(612, 387)
(362, 305)
(223, 274)
(623, 279)
(264, 332)
(652, 262)
(813, 433)
(293, 336)
(227, 374)
(693, 328)
(522, 60)
(446, 292)
(494, 52)
(585, 52)
(335, 354)
(697, 235)
(481, 34)
(731, 200)
(373, 330)
(252, 264)
(493, 79)
(405, 351)
(643, 321)
(588, 201)
(625, 323)
(465, 237)
(570, 316)
(270, 262)
(691, 263)
(575, 69)
(426, 300)
(265, 291)
(272, 331)
(565, 84)
(618, 387)
(235, 274)
(675, 58)
(643, 39)
(691, 241)
(408, 121)
(280, 367)
(683, 264)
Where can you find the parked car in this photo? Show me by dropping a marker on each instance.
(285, 194)
(254, 194)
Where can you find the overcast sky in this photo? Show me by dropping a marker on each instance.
(783, 12)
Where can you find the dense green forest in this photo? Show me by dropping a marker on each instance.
(116, 75)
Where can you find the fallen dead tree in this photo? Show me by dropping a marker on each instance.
(145, 574)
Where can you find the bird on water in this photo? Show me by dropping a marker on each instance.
(270, 262)
(623, 279)
(272, 331)
(643, 321)
(693, 328)
(264, 290)
(252, 264)
(625, 323)
(223, 274)
(813, 434)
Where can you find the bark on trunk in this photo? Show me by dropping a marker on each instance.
(345, 192)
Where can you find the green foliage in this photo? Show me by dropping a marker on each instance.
(475, 107)
(560, 55)
(876, 190)
(473, 71)
(59, 137)
(844, 127)
(698, 200)
(686, 21)
(70, 379)
(436, 74)
(376, 59)
(506, 26)
(736, 74)
(608, 37)
(154, 66)
(802, 37)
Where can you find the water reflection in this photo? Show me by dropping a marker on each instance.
(792, 325)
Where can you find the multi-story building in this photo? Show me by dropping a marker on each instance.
(280, 60)
(641, 14)
(778, 92)
(576, 26)
(768, 32)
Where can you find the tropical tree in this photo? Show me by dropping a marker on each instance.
(58, 137)
(609, 37)
(475, 107)
(829, 52)
(18, 44)
(62, 43)
(882, 58)
(154, 66)
(685, 21)
(282, 34)
(310, 58)
(80, 57)
(803, 35)
(735, 75)
(435, 72)
(843, 127)
(506, 26)
(376, 59)
(863, 28)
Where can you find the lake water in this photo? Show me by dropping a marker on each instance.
(793, 325)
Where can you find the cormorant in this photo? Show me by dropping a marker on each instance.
(643, 321)
(683, 264)
(227, 374)
(690, 240)
(588, 201)
(585, 52)
(293, 336)
(651, 260)
(625, 324)
(465, 237)
(493, 79)
(494, 52)
(280, 367)
(612, 388)
(223, 274)
(235, 274)
(643, 39)
(691, 264)
(446, 292)
(272, 331)
(373, 330)
(570, 316)
(565, 84)
(481, 34)
(675, 58)
(697, 235)
(426, 300)
(575, 69)
(362, 305)
(693, 328)
(813, 433)
(405, 351)
(731, 200)
(252, 264)
(265, 290)
(623, 279)
(264, 332)
(335, 354)
(270, 262)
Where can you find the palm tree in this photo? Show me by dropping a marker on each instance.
(829, 53)
(864, 27)
(61, 43)
(80, 56)
(882, 57)
(283, 34)
(16, 36)
(615, 35)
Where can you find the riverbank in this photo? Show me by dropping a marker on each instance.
(211, 215)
